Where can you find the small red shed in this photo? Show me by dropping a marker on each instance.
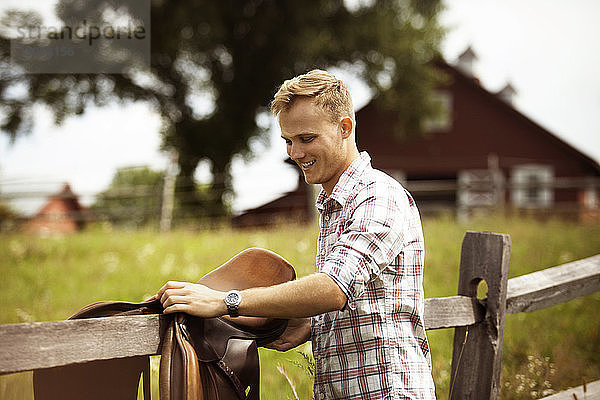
(61, 214)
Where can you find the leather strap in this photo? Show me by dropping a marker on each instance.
(192, 385)
(230, 373)
(146, 384)
(166, 354)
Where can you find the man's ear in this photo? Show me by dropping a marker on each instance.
(346, 126)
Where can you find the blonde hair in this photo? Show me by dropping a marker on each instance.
(327, 91)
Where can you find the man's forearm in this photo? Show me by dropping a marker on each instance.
(305, 297)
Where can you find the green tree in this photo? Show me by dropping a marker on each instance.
(133, 197)
(8, 218)
(230, 55)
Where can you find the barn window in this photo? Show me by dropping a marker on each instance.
(532, 186)
(442, 121)
(591, 199)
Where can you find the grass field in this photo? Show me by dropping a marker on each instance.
(48, 278)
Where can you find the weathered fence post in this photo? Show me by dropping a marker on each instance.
(477, 354)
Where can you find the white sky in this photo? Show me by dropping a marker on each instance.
(547, 49)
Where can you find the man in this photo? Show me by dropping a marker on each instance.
(366, 298)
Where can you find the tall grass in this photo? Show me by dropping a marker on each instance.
(49, 278)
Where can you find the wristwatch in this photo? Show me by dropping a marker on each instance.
(233, 298)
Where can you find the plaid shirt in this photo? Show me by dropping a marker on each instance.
(371, 244)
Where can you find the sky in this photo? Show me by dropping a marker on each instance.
(547, 49)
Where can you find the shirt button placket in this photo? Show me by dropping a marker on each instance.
(326, 218)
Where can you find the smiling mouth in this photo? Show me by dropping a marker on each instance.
(307, 165)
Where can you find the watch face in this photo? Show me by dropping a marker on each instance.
(232, 298)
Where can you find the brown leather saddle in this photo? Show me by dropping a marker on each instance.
(212, 358)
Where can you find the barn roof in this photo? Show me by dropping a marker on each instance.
(371, 113)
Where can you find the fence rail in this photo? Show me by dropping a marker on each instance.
(552, 286)
(476, 361)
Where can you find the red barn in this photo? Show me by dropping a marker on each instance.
(61, 214)
(480, 153)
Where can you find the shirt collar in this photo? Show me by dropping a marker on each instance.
(347, 181)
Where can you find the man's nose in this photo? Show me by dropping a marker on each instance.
(295, 151)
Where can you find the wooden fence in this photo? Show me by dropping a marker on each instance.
(478, 324)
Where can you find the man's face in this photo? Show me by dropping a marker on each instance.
(315, 143)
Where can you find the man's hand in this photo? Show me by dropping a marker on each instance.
(191, 298)
(296, 333)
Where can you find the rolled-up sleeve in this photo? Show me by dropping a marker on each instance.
(369, 241)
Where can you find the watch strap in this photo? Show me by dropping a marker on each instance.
(233, 311)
